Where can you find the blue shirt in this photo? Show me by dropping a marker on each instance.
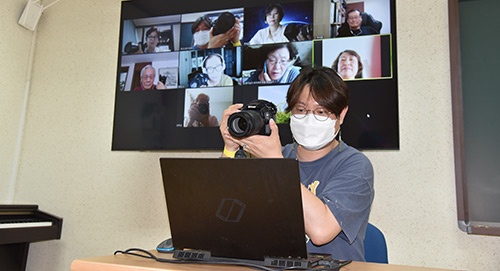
(343, 180)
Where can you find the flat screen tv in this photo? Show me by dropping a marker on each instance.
(181, 63)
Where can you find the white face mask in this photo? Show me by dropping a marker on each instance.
(201, 37)
(311, 133)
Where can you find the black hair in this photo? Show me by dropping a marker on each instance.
(325, 86)
(270, 8)
(351, 11)
(359, 72)
(198, 21)
(151, 30)
(269, 48)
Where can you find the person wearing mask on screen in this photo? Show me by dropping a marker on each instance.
(152, 40)
(337, 180)
(199, 113)
(147, 79)
(348, 65)
(274, 32)
(278, 65)
(203, 37)
(355, 26)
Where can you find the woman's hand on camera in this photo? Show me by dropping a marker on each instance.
(230, 143)
(217, 41)
(263, 146)
(160, 85)
(235, 32)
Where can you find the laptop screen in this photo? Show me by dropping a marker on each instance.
(235, 208)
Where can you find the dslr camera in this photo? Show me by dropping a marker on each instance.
(225, 22)
(200, 79)
(132, 48)
(253, 119)
(203, 108)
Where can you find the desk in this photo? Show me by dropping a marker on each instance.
(122, 262)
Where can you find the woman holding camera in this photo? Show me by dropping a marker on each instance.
(199, 113)
(337, 180)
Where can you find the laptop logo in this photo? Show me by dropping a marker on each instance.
(230, 210)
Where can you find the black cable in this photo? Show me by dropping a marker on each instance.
(132, 251)
(333, 265)
(240, 153)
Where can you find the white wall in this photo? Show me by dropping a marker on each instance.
(14, 49)
(114, 200)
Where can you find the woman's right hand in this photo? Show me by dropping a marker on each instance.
(229, 142)
(264, 77)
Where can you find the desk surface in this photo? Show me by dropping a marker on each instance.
(127, 263)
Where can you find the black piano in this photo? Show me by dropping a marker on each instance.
(21, 225)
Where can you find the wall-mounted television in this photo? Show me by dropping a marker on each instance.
(180, 64)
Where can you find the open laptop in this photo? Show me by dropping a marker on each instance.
(238, 209)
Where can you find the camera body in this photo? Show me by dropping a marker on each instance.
(203, 108)
(200, 79)
(225, 22)
(253, 119)
(163, 78)
(132, 48)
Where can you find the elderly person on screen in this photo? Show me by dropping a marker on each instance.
(148, 75)
(278, 66)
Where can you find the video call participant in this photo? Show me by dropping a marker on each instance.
(278, 66)
(201, 32)
(337, 180)
(199, 113)
(214, 66)
(152, 39)
(148, 75)
(204, 38)
(274, 32)
(348, 65)
(356, 27)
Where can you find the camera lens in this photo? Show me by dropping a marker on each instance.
(203, 108)
(243, 124)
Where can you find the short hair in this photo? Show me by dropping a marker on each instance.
(210, 56)
(202, 96)
(269, 48)
(353, 10)
(335, 63)
(151, 30)
(326, 87)
(202, 19)
(147, 67)
(276, 6)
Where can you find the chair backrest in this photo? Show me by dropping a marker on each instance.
(368, 20)
(375, 245)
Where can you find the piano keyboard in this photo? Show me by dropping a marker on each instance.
(23, 223)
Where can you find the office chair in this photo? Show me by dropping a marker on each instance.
(375, 245)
